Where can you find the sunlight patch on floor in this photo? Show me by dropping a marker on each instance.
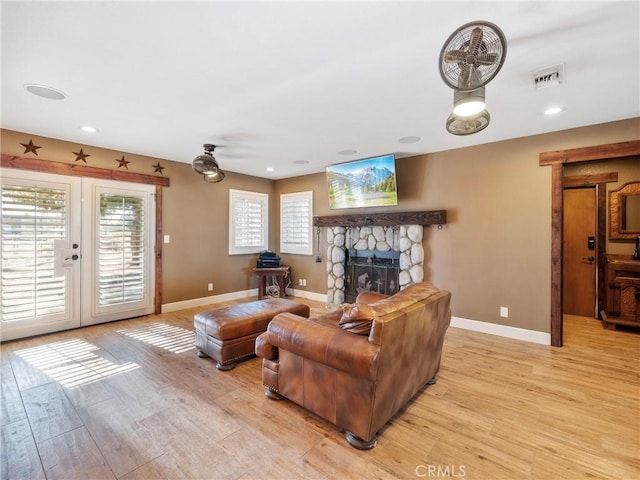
(73, 362)
(168, 337)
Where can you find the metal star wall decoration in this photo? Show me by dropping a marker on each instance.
(30, 147)
(123, 163)
(157, 168)
(81, 156)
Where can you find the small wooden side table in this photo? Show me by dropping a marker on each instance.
(278, 285)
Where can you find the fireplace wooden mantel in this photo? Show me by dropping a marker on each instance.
(429, 217)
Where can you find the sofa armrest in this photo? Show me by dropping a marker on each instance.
(326, 344)
(264, 349)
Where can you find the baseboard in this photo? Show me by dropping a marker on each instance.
(225, 297)
(456, 322)
(199, 302)
(502, 330)
(320, 297)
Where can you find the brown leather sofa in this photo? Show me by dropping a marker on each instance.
(357, 366)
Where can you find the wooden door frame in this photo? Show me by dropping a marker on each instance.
(557, 159)
(61, 168)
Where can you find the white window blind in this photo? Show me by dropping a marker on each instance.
(296, 228)
(248, 216)
(121, 250)
(33, 218)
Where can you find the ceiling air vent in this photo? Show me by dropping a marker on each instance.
(548, 77)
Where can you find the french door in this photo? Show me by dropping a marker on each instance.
(75, 251)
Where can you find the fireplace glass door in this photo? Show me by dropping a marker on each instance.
(370, 272)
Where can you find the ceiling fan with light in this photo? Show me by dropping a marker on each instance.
(469, 59)
(207, 166)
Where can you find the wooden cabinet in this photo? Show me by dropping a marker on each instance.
(622, 303)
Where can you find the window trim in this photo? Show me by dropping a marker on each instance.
(306, 249)
(241, 195)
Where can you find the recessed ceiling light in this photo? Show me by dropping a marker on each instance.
(44, 91)
(348, 152)
(410, 139)
(270, 169)
(88, 129)
(301, 162)
(553, 110)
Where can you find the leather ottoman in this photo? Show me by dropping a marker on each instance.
(228, 334)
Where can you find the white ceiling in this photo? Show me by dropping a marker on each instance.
(276, 83)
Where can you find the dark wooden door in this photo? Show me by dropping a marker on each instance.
(579, 252)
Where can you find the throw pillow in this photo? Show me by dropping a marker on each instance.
(357, 318)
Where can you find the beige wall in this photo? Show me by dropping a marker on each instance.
(195, 215)
(305, 266)
(496, 247)
(494, 251)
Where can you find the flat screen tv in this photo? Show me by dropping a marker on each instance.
(370, 182)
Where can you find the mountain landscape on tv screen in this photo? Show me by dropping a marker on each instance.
(367, 187)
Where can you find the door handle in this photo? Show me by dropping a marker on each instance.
(62, 256)
(588, 259)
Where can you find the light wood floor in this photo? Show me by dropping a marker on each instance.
(130, 400)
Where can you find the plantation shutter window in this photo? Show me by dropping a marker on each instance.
(296, 228)
(33, 219)
(121, 250)
(248, 215)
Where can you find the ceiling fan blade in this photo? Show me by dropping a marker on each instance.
(487, 58)
(455, 56)
(464, 76)
(468, 77)
(476, 40)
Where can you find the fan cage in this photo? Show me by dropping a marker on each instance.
(493, 43)
(205, 164)
(457, 125)
(216, 177)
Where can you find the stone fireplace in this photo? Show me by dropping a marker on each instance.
(390, 242)
(372, 258)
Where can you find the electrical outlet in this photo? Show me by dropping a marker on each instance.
(304, 282)
(504, 312)
(210, 287)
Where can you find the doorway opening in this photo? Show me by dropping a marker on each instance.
(557, 160)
